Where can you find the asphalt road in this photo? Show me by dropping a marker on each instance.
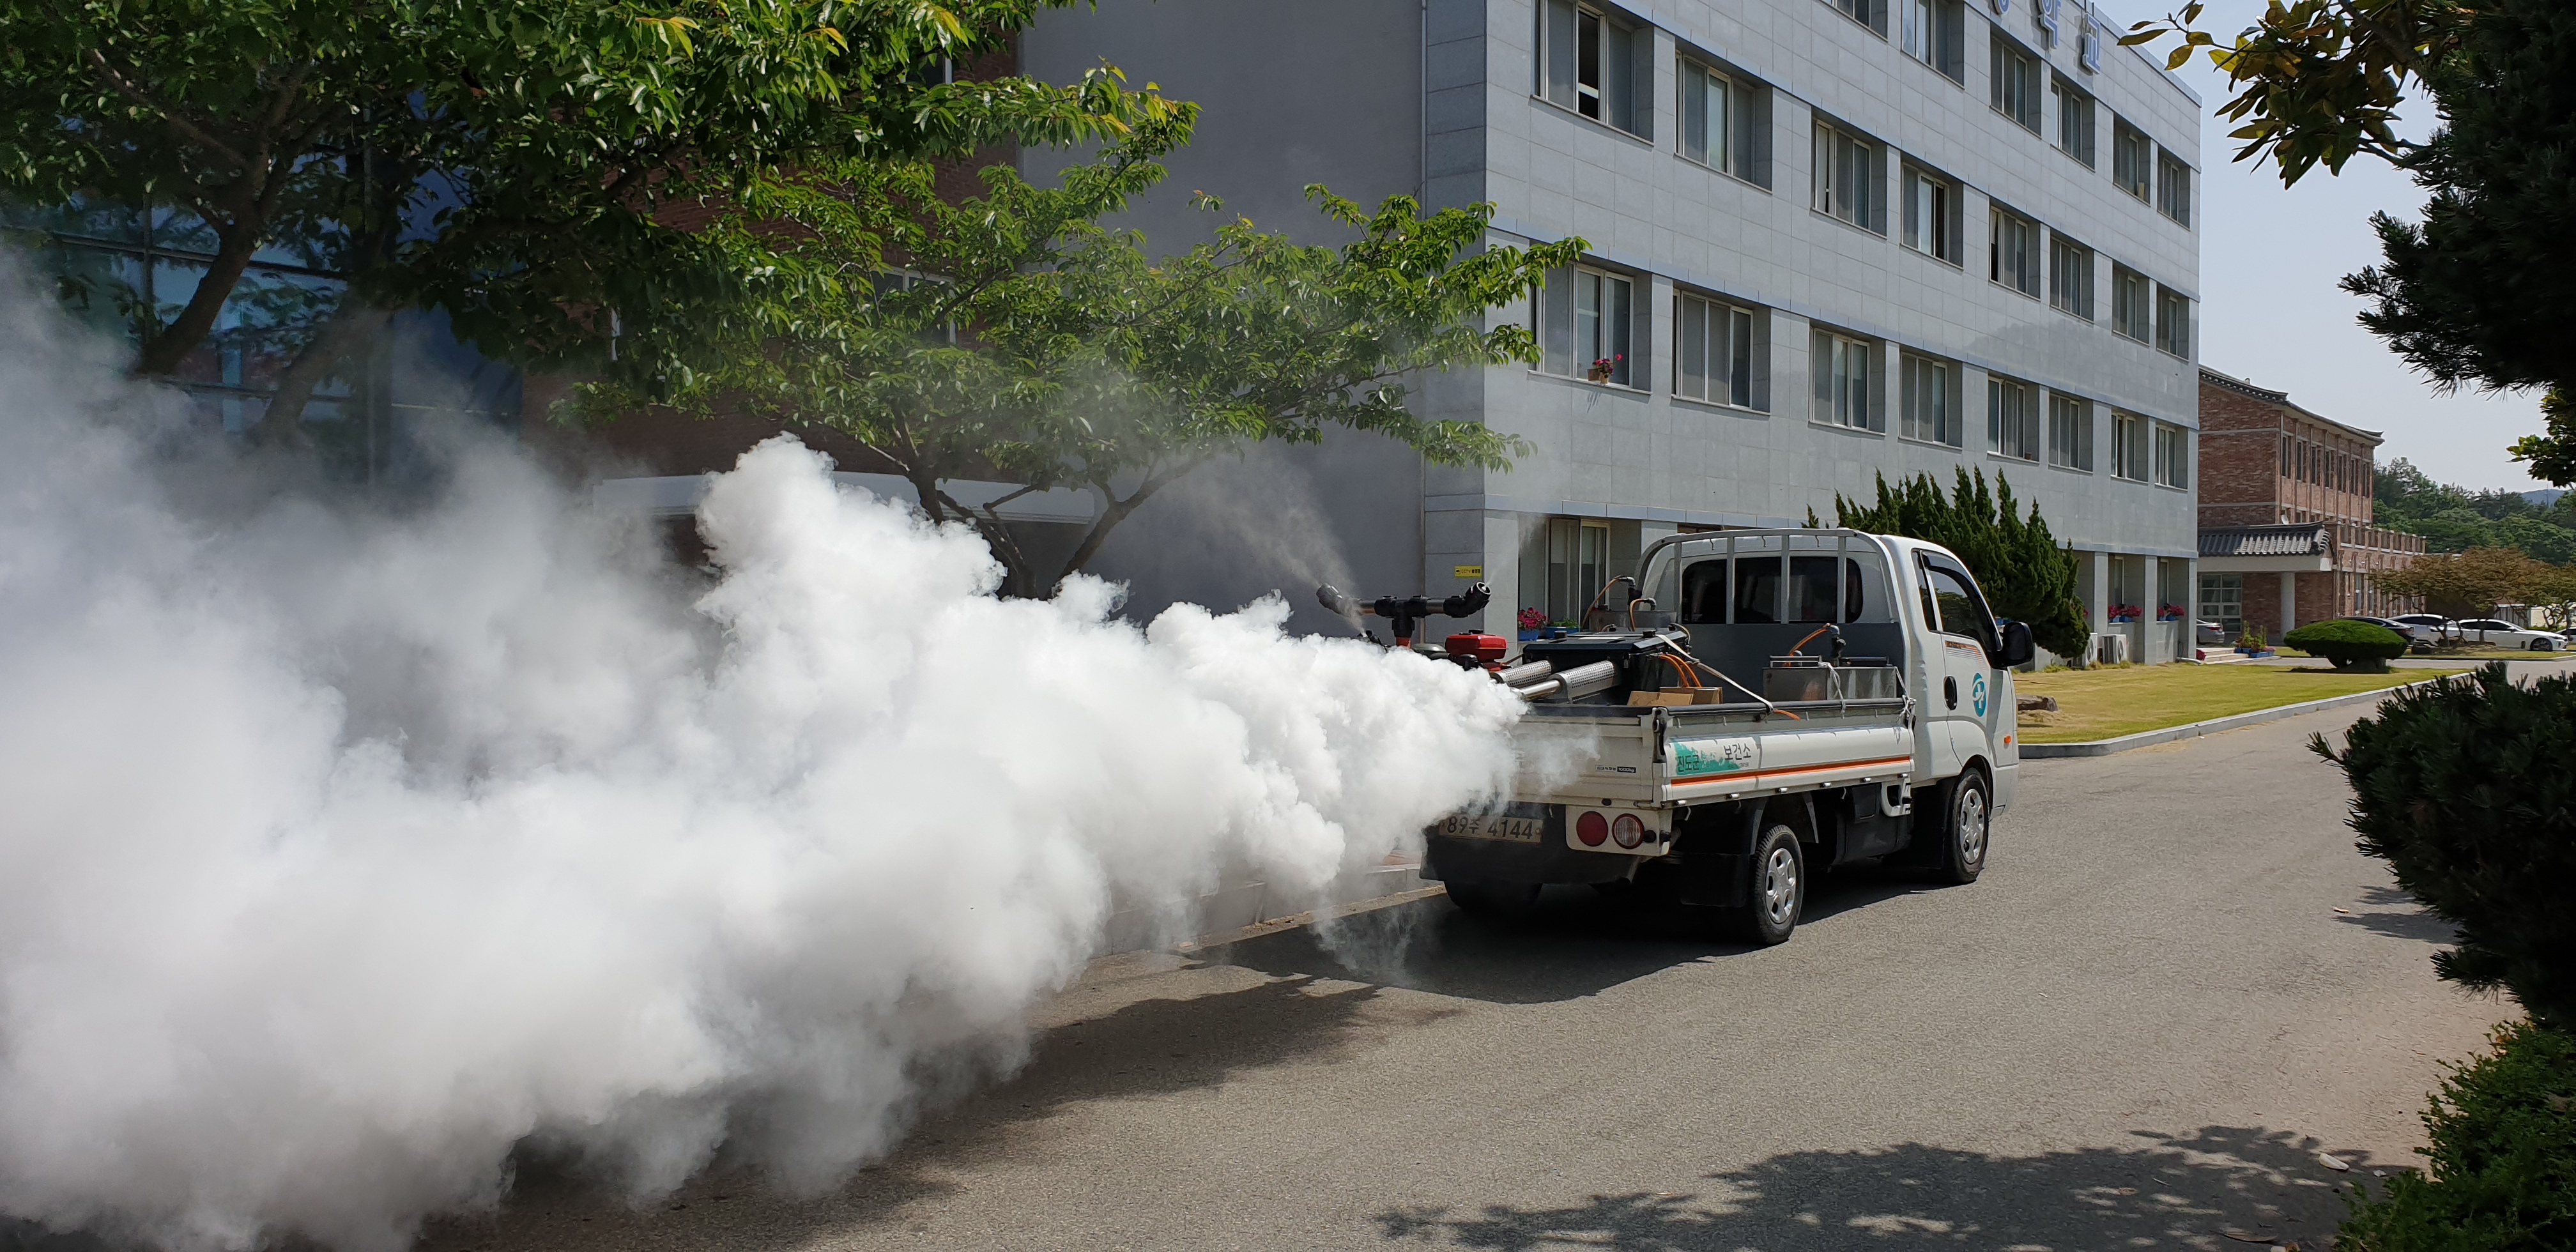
(2175, 986)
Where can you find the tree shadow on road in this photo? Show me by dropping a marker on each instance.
(1577, 942)
(2217, 1187)
(2389, 911)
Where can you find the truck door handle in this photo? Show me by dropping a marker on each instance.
(1950, 692)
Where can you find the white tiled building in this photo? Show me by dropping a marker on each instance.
(1828, 239)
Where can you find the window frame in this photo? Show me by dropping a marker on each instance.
(2070, 294)
(1871, 14)
(1634, 85)
(2132, 152)
(1742, 342)
(1832, 172)
(1740, 146)
(2171, 200)
(2129, 450)
(1941, 426)
(2077, 140)
(2172, 453)
(1609, 330)
(2017, 435)
(1838, 397)
(2133, 323)
(2170, 339)
(2070, 432)
(1945, 205)
(2033, 258)
(2027, 80)
(1931, 33)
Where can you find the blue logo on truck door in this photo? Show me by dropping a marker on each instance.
(1977, 694)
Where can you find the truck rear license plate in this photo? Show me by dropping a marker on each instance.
(1508, 827)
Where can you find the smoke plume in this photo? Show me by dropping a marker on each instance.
(344, 853)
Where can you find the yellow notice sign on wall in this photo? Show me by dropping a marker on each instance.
(1466, 571)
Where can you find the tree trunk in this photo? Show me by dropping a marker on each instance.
(171, 344)
(349, 328)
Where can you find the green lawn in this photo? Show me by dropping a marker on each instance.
(2105, 703)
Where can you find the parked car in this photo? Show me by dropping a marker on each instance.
(2427, 627)
(2214, 635)
(2384, 623)
(2507, 635)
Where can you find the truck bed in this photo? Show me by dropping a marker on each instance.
(1699, 754)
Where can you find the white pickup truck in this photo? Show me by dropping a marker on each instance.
(1775, 703)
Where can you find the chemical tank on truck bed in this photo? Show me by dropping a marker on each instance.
(1774, 703)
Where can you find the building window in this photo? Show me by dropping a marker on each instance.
(2222, 600)
(2012, 419)
(1847, 176)
(1842, 381)
(1593, 63)
(1931, 214)
(2132, 304)
(2013, 251)
(2128, 447)
(1721, 121)
(1583, 318)
(1869, 13)
(2173, 455)
(2173, 322)
(1578, 565)
(1931, 33)
(2016, 82)
(2131, 154)
(2285, 456)
(2070, 276)
(1930, 401)
(2173, 187)
(2074, 122)
(1714, 358)
(2070, 433)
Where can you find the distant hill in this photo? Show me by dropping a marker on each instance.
(2545, 497)
(2455, 519)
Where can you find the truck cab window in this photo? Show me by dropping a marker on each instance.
(1813, 585)
(1757, 589)
(1962, 610)
(1704, 593)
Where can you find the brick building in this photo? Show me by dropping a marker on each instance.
(2285, 513)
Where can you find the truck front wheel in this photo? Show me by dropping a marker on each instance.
(1967, 807)
(1777, 892)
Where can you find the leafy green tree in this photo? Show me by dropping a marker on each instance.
(509, 162)
(2452, 519)
(1042, 348)
(2479, 292)
(2017, 562)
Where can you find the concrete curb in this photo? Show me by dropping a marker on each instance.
(2150, 738)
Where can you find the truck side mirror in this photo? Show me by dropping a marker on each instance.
(2017, 646)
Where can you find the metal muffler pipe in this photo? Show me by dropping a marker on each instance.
(1574, 684)
(1524, 674)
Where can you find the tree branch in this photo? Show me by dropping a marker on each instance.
(169, 115)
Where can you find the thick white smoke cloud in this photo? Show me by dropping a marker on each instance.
(341, 853)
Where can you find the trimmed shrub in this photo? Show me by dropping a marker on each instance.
(2502, 1166)
(2465, 787)
(2348, 644)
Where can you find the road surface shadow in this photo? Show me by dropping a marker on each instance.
(2396, 914)
(1144, 1048)
(1577, 942)
(2217, 1187)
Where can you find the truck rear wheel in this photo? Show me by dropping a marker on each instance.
(1776, 893)
(1967, 809)
(1495, 901)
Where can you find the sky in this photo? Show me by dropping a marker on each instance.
(2270, 309)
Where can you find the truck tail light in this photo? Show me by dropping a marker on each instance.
(1628, 832)
(1592, 828)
